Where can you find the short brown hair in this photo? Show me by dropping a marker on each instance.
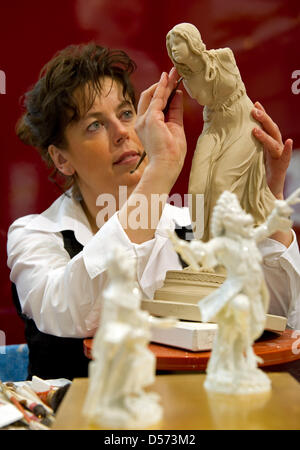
(50, 105)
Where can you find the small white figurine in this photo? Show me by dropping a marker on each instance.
(122, 364)
(227, 156)
(240, 304)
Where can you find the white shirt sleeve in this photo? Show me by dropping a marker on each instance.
(282, 274)
(63, 295)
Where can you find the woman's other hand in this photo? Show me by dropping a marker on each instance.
(163, 137)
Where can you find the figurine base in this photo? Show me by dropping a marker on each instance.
(254, 381)
(137, 412)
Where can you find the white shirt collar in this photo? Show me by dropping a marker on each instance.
(65, 213)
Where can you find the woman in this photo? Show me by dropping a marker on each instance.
(227, 156)
(81, 117)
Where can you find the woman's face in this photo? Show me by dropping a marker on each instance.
(103, 146)
(179, 48)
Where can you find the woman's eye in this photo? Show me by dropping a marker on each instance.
(94, 126)
(128, 114)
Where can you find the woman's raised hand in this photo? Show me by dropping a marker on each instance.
(163, 136)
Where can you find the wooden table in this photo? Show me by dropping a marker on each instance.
(274, 349)
(187, 406)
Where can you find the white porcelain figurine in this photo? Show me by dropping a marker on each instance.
(227, 156)
(240, 304)
(122, 364)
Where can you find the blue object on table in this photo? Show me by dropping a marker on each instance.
(13, 362)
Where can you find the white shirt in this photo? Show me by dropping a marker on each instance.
(63, 295)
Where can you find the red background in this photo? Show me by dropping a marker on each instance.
(263, 34)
